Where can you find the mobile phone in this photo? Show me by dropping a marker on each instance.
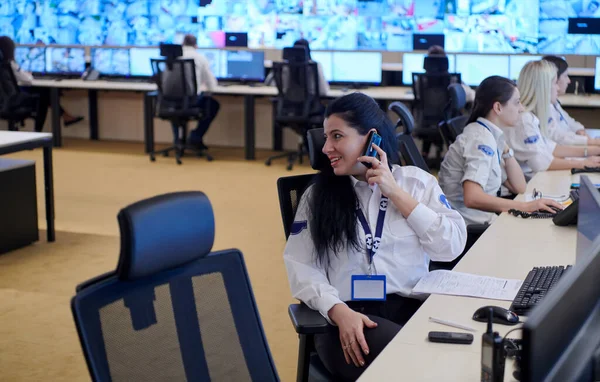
(493, 358)
(369, 151)
(451, 337)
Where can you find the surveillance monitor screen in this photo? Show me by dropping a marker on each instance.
(346, 70)
(139, 61)
(244, 65)
(325, 59)
(111, 62)
(413, 63)
(474, 68)
(31, 59)
(65, 60)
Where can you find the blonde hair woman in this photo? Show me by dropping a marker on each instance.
(533, 149)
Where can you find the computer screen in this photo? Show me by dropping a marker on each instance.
(244, 65)
(139, 61)
(217, 60)
(111, 62)
(357, 67)
(474, 68)
(597, 75)
(326, 61)
(517, 63)
(425, 41)
(588, 216)
(562, 332)
(413, 63)
(31, 59)
(65, 60)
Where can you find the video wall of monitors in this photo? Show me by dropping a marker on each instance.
(464, 26)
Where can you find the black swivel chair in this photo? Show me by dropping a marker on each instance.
(172, 310)
(455, 120)
(177, 102)
(431, 99)
(298, 102)
(409, 152)
(15, 105)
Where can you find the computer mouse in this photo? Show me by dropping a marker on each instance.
(500, 316)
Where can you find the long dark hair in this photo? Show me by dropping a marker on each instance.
(7, 49)
(491, 90)
(561, 64)
(333, 200)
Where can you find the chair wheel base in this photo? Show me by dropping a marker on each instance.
(268, 163)
(152, 158)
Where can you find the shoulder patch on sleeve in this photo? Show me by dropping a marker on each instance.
(532, 139)
(487, 150)
(298, 226)
(445, 201)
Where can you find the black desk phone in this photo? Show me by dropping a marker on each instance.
(568, 216)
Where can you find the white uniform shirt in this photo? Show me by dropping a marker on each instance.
(432, 231)
(572, 123)
(560, 131)
(205, 80)
(474, 156)
(532, 150)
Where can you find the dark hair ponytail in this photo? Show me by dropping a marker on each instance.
(333, 200)
(491, 90)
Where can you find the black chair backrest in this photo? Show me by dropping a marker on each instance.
(410, 152)
(458, 100)
(316, 141)
(406, 122)
(431, 95)
(8, 86)
(457, 124)
(290, 190)
(173, 310)
(297, 90)
(295, 54)
(435, 64)
(177, 87)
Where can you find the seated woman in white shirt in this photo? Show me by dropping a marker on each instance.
(563, 129)
(480, 161)
(534, 150)
(386, 221)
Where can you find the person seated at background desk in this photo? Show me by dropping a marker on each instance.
(565, 130)
(7, 49)
(205, 80)
(473, 169)
(323, 84)
(534, 150)
(355, 221)
(436, 50)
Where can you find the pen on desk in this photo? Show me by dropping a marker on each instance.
(450, 323)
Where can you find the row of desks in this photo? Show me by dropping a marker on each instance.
(510, 248)
(248, 92)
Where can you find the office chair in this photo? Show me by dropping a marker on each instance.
(431, 99)
(15, 105)
(172, 310)
(409, 152)
(298, 102)
(177, 102)
(455, 120)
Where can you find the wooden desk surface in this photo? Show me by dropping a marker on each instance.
(508, 249)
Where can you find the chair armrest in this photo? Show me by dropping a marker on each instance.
(306, 320)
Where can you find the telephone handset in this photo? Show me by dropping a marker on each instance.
(90, 74)
(369, 151)
(568, 216)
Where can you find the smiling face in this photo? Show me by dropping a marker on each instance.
(343, 146)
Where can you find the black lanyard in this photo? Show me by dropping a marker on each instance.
(373, 242)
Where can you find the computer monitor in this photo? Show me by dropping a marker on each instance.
(474, 68)
(413, 63)
(326, 61)
(244, 65)
(597, 75)
(561, 337)
(31, 59)
(68, 61)
(517, 62)
(357, 67)
(588, 216)
(423, 41)
(217, 60)
(236, 39)
(139, 61)
(111, 62)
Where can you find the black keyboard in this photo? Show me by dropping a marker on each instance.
(129, 80)
(583, 170)
(536, 285)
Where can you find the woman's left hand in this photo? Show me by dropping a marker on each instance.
(380, 173)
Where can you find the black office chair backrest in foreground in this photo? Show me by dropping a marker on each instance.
(15, 104)
(173, 310)
(455, 121)
(177, 88)
(409, 152)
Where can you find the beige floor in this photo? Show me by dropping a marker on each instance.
(93, 180)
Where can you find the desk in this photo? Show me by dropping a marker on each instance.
(584, 101)
(509, 248)
(13, 141)
(248, 92)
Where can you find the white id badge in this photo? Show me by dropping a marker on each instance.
(370, 288)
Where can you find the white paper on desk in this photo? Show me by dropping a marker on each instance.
(465, 284)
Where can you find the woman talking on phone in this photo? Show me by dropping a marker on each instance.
(363, 237)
